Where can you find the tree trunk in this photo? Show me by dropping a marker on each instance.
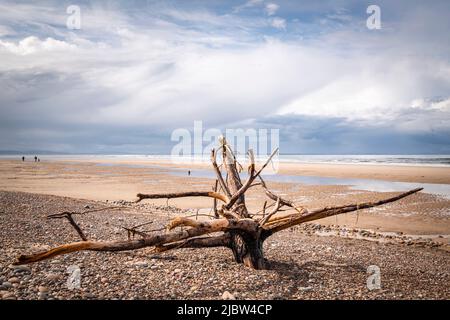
(234, 182)
(247, 250)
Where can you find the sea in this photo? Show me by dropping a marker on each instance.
(434, 160)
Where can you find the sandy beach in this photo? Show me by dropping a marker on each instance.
(110, 179)
(411, 235)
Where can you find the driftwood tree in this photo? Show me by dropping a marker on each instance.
(232, 226)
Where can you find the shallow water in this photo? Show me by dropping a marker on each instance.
(355, 184)
(442, 190)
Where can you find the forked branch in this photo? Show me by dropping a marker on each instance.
(208, 194)
(288, 221)
(68, 216)
(249, 181)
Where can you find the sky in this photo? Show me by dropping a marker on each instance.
(137, 70)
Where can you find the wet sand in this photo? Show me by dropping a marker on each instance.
(404, 173)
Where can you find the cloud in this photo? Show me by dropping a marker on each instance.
(278, 23)
(33, 44)
(271, 8)
(248, 4)
(439, 103)
(334, 135)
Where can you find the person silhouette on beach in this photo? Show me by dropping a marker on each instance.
(23, 158)
(35, 158)
(189, 172)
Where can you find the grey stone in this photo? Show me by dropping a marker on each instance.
(141, 264)
(21, 269)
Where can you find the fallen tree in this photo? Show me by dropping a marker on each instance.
(232, 226)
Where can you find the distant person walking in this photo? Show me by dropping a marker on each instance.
(189, 172)
(35, 158)
(23, 158)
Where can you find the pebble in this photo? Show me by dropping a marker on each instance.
(141, 264)
(42, 289)
(42, 295)
(14, 280)
(8, 296)
(193, 288)
(53, 276)
(19, 269)
(228, 296)
(88, 295)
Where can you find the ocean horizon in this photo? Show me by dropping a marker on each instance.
(434, 160)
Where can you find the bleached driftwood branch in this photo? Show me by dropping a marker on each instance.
(232, 226)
